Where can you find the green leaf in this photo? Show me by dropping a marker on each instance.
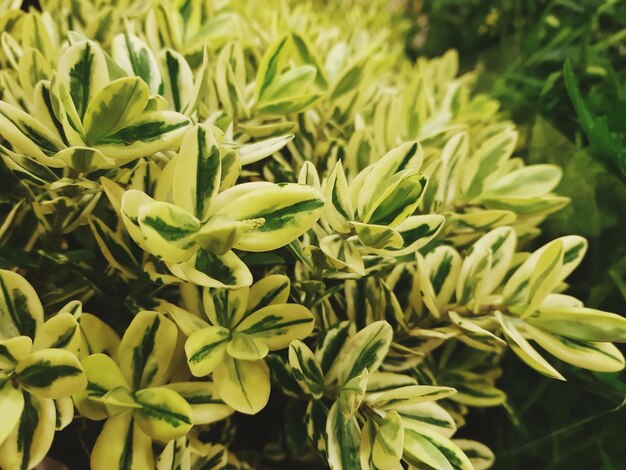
(389, 441)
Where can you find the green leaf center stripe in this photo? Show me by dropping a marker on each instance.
(80, 80)
(26, 429)
(213, 266)
(586, 345)
(126, 458)
(421, 231)
(141, 354)
(164, 414)
(571, 254)
(142, 132)
(206, 350)
(63, 340)
(202, 399)
(449, 454)
(173, 69)
(368, 354)
(495, 247)
(43, 374)
(278, 218)
(273, 322)
(170, 232)
(241, 383)
(4, 351)
(139, 62)
(407, 157)
(17, 305)
(426, 419)
(205, 176)
(45, 95)
(93, 389)
(42, 142)
(442, 272)
(271, 295)
(332, 348)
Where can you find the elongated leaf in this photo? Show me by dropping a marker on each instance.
(524, 350)
(243, 385)
(277, 325)
(225, 307)
(305, 369)
(149, 133)
(51, 373)
(529, 181)
(177, 80)
(21, 312)
(251, 153)
(410, 395)
(365, 350)
(164, 415)
(480, 455)
(581, 323)
(81, 73)
(122, 445)
(146, 349)
(428, 414)
(330, 344)
(601, 357)
(422, 445)
(416, 231)
(197, 173)
(132, 55)
(271, 65)
(282, 213)
(342, 440)
(29, 441)
(98, 337)
(11, 406)
(206, 406)
(389, 441)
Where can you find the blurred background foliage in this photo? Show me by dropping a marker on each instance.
(559, 69)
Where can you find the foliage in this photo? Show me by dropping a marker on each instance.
(267, 211)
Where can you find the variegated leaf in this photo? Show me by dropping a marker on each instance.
(389, 441)
(206, 406)
(305, 369)
(278, 214)
(60, 331)
(11, 406)
(243, 385)
(146, 349)
(164, 415)
(21, 312)
(30, 440)
(122, 445)
(206, 349)
(277, 325)
(580, 323)
(342, 445)
(51, 373)
(135, 58)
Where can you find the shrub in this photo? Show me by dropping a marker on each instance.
(258, 203)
